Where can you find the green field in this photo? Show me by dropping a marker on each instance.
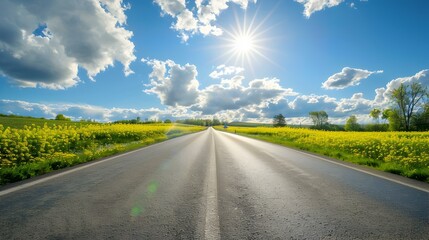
(20, 122)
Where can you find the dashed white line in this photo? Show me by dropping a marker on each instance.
(211, 228)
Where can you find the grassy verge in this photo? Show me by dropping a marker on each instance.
(415, 171)
(21, 122)
(63, 159)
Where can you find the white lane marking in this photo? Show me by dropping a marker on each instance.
(211, 228)
(27, 185)
(340, 164)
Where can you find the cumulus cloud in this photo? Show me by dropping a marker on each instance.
(354, 105)
(383, 98)
(232, 94)
(43, 43)
(225, 71)
(304, 104)
(312, 6)
(171, 7)
(200, 19)
(175, 85)
(347, 77)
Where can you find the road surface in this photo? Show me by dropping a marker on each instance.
(215, 185)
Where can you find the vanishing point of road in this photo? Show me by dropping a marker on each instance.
(215, 185)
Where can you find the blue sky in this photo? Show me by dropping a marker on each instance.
(236, 60)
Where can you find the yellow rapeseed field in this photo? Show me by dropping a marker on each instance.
(35, 143)
(408, 150)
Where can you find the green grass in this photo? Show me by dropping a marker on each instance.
(248, 124)
(20, 122)
(421, 174)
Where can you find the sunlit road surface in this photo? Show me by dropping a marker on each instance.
(214, 185)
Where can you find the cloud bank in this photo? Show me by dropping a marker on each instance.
(43, 43)
(176, 85)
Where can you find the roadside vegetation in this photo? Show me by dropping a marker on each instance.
(14, 121)
(32, 149)
(403, 153)
(399, 145)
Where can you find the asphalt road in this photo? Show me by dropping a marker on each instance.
(212, 185)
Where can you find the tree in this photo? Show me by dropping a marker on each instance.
(167, 121)
(61, 117)
(279, 120)
(319, 118)
(375, 114)
(352, 125)
(385, 114)
(407, 98)
(392, 115)
(216, 122)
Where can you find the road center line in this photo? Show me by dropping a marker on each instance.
(211, 228)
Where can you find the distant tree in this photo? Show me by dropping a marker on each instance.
(216, 122)
(375, 114)
(167, 121)
(279, 120)
(385, 114)
(61, 117)
(407, 98)
(352, 124)
(319, 118)
(138, 120)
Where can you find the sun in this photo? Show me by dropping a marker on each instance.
(245, 42)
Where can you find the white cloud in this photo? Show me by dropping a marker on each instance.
(298, 108)
(186, 21)
(200, 19)
(357, 104)
(312, 6)
(231, 94)
(43, 43)
(382, 97)
(304, 104)
(347, 77)
(171, 7)
(175, 85)
(224, 71)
